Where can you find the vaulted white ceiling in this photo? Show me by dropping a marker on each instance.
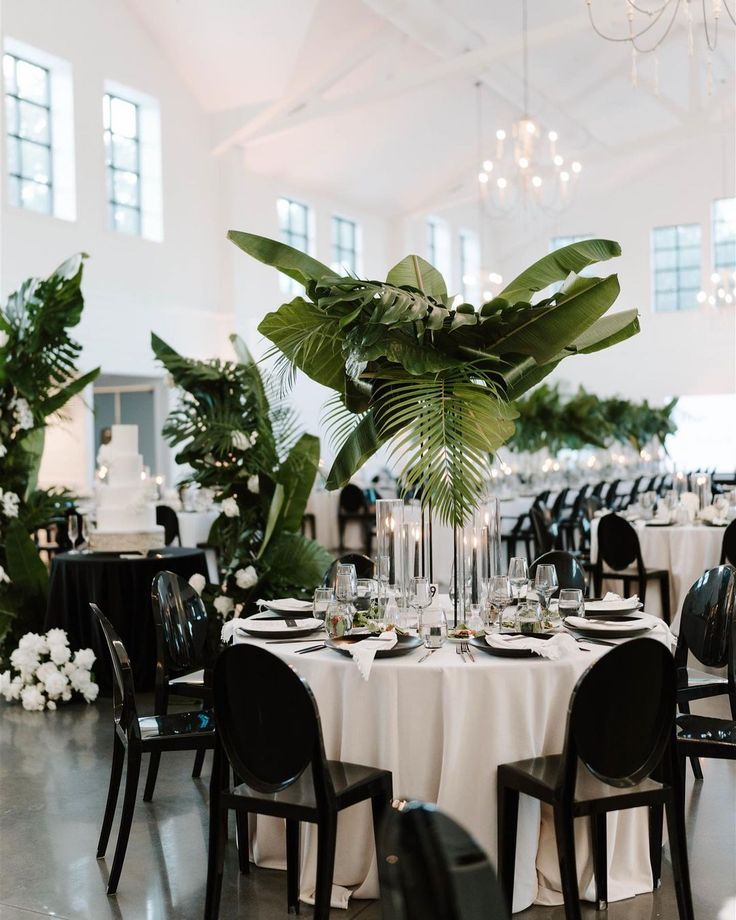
(376, 100)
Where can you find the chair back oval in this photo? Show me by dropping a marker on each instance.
(618, 543)
(570, 573)
(352, 499)
(166, 518)
(728, 547)
(266, 717)
(365, 567)
(558, 506)
(706, 618)
(180, 618)
(577, 505)
(543, 528)
(123, 691)
(611, 495)
(622, 712)
(432, 869)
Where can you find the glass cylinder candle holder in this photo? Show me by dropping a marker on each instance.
(488, 526)
(703, 490)
(680, 483)
(389, 522)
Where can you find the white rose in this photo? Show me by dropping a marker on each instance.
(57, 637)
(240, 440)
(198, 582)
(253, 438)
(224, 605)
(11, 503)
(85, 658)
(23, 413)
(246, 578)
(230, 507)
(25, 661)
(253, 485)
(55, 685)
(90, 692)
(3, 338)
(34, 643)
(6, 685)
(4, 577)
(59, 653)
(51, 704)
(32, 699)
(46, 670)
(80, 679)
(3, 450)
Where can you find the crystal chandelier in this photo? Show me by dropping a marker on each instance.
(649, 23)
(722, 290)
(527, 168)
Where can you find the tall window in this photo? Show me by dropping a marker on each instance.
(294, 230)
(28, 126)
(676, 266)
(121, 122)
(438, 246)
(469, 266)
(345, 245)
(724, 234)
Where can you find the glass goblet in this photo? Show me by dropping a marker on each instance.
(518, 573)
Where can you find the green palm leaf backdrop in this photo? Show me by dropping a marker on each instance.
(242, 441)
(432, 380)
(38, 377)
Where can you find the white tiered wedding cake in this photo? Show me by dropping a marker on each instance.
(126, 514)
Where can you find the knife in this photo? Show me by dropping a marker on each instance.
(312, 648)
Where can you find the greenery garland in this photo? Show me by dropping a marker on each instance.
(243, 442)
(38, 376)
(548, 419)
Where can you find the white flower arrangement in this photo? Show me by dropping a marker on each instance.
(241, 441)
(23, 413)
(47, 672)
(224, 605)
(246, 578)
(230, 508)
(253, 484)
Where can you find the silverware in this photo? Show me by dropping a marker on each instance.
(466, 651)
(312, 648)
(459, 651)
(596, 641)
(429, 653)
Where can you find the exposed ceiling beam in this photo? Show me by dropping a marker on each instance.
(471, 62)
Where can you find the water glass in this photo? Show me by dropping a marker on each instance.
(572, 603)
(72, 525)
(346, 582)
(518, 573)
(528, 619)
(433, 627)
(338, 619)
(321, 601)
(366, 590)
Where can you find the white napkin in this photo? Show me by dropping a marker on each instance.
(560, 646)
(228, 629)
(712, 515)
(365, 651)
(612, 600)
(287, 603)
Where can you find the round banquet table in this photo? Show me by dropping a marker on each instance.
(120, 585)
(685, 550)
(442, 728)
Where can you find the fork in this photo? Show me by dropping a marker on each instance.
(465, 649)
(459, 651)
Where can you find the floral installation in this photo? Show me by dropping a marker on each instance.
(38, 376)
(243, 443)
(45, 672)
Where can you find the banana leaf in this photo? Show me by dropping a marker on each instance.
(360, 445)
(25, 569)
(414, 271)
(296, 476)
(557, 265)
(289, 261)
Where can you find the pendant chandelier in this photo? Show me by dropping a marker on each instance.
(649, 23)
(527, 167)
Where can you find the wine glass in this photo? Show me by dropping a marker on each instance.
(518, 573)
(420, 593)
(499, 595)
(72, 526)
(545, 584)
(85, 531)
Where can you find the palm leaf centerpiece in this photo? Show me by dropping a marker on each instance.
(436, 381)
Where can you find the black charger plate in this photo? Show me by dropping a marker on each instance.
(404, 645)
(510, 652)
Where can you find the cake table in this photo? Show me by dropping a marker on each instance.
(120, 585)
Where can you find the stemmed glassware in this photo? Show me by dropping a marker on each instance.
(499, 598)
(420, 593)
(85, 533)
(72, 526)
(545, 584)
(518, 573)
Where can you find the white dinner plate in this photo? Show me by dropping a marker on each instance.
(618, 629)
(624, 605)
(279, 629)
(289, 607)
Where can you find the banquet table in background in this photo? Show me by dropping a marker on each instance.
(194, 526)
(442, 728)
(685, 550)
(121, 586)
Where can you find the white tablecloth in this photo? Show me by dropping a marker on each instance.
(442, 728)
(686, 551)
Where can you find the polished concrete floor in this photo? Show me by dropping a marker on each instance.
(53, 781)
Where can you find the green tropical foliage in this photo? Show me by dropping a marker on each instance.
(242, 441)
(38, 376)
(548, 419)
(433, 379)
